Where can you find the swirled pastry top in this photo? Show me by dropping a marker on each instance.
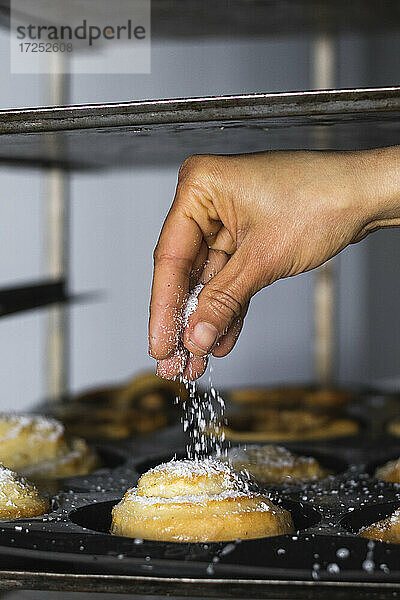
(207, 477)
(196, 501)
(27, 439)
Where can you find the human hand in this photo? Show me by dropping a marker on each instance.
(239, 223)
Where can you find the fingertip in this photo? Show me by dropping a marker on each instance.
(201, 339)
(195, 367)
(173, 366)
(226, 343)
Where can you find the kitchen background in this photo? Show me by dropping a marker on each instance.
(116, 217)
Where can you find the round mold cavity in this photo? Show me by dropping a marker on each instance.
(331, 463)
(97, 516)
(367, 515)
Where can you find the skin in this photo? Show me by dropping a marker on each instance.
(240, 223)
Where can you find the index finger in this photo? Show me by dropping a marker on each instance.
(176, 251)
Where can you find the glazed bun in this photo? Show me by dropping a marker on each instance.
(197, 501)
(18, 497)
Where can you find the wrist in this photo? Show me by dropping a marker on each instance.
(377, 173)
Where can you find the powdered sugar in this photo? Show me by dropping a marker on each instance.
(202, 500)
(191, 304)
(11, 426)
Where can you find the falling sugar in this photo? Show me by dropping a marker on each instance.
(203, 414)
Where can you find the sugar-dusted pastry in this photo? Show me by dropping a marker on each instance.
(38, 447)
(197, 501)
(270, 425)
(275, 464)
(389, 471)
(77, 459)
(387, 530)
(18, 497)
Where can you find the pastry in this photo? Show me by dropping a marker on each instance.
(18, 498)
(269, 424)
(77, 459)
(275, 464)
(141, 405)
(197, 501)
(290, 396)
(389, 471)
(387, 530)
(38, 447)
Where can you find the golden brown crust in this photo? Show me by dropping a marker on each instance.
(287, 425)
(386, 530)
(38, 447)
(18, 497)
(79, 459)
(205, 507)
(275, 464)
(27, 439)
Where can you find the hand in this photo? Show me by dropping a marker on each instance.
(239, 223)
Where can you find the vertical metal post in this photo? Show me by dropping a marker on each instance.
(57, 249)
(323, 77)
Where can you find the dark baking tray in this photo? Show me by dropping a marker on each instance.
(70, 548)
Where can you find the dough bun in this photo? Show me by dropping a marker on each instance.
(290, 397)
(38, 447)
(269, 424)
(389, 472)
(275, 464)
(197, 501)
(387, 530)
(18, 498)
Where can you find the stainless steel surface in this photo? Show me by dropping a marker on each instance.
(162, 131)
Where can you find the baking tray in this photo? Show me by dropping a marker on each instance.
(70, 548)
(149, 132)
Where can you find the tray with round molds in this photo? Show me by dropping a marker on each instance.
(71, 545)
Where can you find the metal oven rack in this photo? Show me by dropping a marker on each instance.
(133, 134)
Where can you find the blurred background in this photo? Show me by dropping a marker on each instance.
(116, 216)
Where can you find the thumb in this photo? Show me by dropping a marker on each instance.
(222, 301)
